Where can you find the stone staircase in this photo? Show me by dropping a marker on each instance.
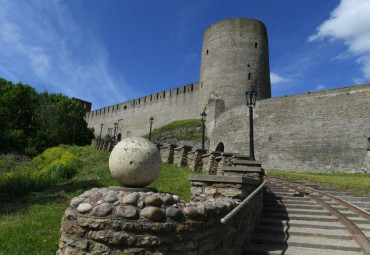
(294, 224)
(362, 202)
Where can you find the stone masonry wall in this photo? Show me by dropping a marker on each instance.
(323, 131)
(106, 221)
(166, 106)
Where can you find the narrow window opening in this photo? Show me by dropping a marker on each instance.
(164, 94)
(151, 97)
(256, 45)
(170, 92)
(125, 107)
(144, 99)
(139, 100)
(177, 90)
(108, 108)
(104, 110)
(207, 52)
(184, 89)
(191, 87)
(249, 76)
(157, 96)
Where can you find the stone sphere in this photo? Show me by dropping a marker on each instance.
(135, 162)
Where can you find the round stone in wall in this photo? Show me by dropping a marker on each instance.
(135, 162)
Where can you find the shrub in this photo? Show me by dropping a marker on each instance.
(53, 166)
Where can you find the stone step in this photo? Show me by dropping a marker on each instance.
(302, 231)
(246, 162)
(277, 206)
(290, 216)
(273, 249)
(309, 242)
(247, 169)
(302, 223)
(279, 211)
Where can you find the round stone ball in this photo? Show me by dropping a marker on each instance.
(135, 162)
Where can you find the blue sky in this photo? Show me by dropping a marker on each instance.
(107, 52)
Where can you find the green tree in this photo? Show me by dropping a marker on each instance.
(17, 105)
(31, 122)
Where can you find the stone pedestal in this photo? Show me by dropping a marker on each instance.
(180, 155)
(167, 152)
(195, 161)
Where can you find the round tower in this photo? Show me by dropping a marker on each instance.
(234, 58)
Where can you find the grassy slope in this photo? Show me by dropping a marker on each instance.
(359, 184)
(31, 224)
(182, 130)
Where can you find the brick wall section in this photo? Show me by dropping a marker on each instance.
(180, 155)
(194, 160)
(167, 153)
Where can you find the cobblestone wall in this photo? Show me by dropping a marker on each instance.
(106, 221)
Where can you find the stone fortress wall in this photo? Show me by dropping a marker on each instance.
(325, 131)
(167, 106)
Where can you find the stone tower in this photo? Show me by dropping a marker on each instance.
(234, 58)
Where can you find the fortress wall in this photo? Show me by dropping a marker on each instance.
(319, 131)
(166, 106)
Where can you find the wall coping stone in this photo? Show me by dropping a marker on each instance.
(183, 147)
(169, 145)
(222, 179)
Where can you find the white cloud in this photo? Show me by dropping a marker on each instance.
(350, 22)
(275, 78)
(358, 81)
(320, 87)
(42, 39)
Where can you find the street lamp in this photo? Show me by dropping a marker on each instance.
(101, 128)
(114, 133)
(251, 102)
(204, 115)
(151, 119)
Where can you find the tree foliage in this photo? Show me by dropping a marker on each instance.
(31, 122)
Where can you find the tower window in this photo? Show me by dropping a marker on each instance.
(249, 76)
(256, 45)
(191, 87)
(164, 94)
(184, 89)
(207, 52)
(177, 91)
(151, 97)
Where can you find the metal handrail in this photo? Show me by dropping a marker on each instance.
(245, 201)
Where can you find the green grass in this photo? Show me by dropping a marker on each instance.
(173, 179)
(30, 224)
(182, 130)
(358, 184)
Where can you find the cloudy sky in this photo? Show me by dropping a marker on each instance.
(107, 52)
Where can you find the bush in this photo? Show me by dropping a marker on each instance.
(53, 166)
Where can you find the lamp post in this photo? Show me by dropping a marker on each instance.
(151, 119)
(251, 102)
(118, 135)
(114, 132)
(204, 115)
(101, 128)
